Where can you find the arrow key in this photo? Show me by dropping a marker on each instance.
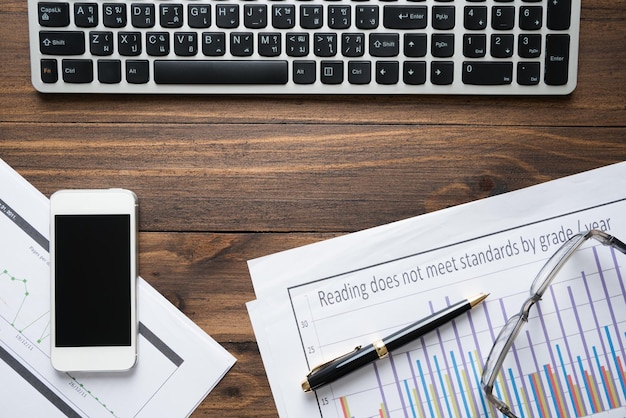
(415, 44)
(441, 72)
(387, 72)
(414, 72)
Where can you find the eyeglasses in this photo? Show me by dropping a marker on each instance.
(514, 325)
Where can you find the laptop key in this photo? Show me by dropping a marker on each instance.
(557, 59)
(559, 12)
(61, 43)
(77, 71)
(487, 73)
(53, 14)
(220, 72)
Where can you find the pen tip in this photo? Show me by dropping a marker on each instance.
(306, 386)
(477, 299)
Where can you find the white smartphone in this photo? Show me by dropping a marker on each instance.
(93, 253)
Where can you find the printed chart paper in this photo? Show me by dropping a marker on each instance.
(317, 302)
(178, 364)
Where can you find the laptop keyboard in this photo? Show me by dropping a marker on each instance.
(484, 47)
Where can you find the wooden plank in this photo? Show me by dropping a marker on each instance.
(244, 391)
(206, 276)
(205, 177)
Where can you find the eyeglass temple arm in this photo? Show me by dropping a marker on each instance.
(607, 239)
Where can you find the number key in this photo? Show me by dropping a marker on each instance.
(474, 45)
(530, 17)
(501, 45)
(529, 46)
(503, 17)
(475, 17)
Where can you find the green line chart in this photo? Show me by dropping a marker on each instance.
(15, 315)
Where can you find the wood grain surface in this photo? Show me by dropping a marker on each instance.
(223, 179)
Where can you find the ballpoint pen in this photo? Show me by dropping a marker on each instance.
(360, 356)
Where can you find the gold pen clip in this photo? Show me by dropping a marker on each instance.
(320, 366)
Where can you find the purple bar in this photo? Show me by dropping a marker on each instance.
(395, 377)
(569, 352)
(593, 311)
(607, 296)
(380, 386)
(582, 336)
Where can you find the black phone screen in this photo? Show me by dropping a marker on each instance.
(92, 280)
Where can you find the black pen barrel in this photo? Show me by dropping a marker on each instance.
(417, 329)
(342, 366)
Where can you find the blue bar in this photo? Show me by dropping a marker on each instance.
(483, 401)
(425, 386)
(515, 391)
(619, 373)
(602, 377)
(589, 395)
(462, 390)
(408, 393)
(443, 386)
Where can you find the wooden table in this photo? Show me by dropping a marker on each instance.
(222, 180)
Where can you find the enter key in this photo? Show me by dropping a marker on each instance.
(557, 59)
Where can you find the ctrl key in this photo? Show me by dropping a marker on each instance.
(77, 71)
(49, 73)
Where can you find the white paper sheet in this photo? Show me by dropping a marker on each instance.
(319, 301)
(178, 363)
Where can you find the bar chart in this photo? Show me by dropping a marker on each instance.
(569, 361)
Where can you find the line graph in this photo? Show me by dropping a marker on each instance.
(569, 361)
(15, 314)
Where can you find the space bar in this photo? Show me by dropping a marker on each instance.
(220, 72)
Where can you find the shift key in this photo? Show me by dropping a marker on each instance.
(557, 60)
(61, 43)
